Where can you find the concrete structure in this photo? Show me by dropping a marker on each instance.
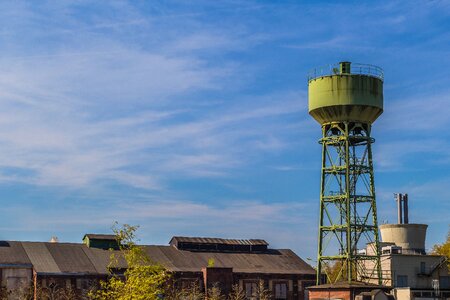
(407, 267)
(80, 266)
(410, 237)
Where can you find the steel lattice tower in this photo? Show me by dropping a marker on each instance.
(346, 99)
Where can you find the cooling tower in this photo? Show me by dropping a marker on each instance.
(411, 237)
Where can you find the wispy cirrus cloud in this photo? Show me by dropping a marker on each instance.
(191, 118)
(71, 118)
(159, 220)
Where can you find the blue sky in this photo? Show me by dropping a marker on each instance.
(190, 117)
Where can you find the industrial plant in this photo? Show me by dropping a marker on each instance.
(346, 99)
(357, 258)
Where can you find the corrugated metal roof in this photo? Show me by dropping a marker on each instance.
(273, 261)
(71, 258)
(13, 253)
(93, 236)
(202, 240)
(40, 257)
(101, 259)
(67, 258)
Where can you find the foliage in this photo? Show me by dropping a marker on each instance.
(192, 292)
(262, 292)
(237, 293)
(334, 271)
(443, 249)
(214, 293)
(142, 280)
(56, 292)
(53, 292)
(211, 263)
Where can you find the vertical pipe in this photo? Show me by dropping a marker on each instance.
(405, 209)
(399, 208)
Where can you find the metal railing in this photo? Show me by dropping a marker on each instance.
(355, 68)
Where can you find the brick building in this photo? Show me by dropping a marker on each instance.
(80, 265)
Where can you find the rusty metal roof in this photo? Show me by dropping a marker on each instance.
(206, 240)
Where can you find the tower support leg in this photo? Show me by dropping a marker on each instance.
(348, 242)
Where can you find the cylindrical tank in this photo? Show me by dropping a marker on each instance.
(346, 92)
(411, 237)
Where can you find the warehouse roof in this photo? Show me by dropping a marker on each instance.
(205, 240)
(13, 253)
(281, 261)
(73, 258)
(96, 236)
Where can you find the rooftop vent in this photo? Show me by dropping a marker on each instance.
(54, 239)
(101, 241)
(218, 245)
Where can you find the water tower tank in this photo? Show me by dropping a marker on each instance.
(346, 99)
(346, 92)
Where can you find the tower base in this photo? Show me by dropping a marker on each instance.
(354, 290)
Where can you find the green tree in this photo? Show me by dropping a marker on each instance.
(142, 280)
(443, 249)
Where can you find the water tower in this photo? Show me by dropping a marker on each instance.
(346, 99)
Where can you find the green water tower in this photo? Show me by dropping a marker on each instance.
(346, 99)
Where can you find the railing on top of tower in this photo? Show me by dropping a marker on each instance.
(342, 68)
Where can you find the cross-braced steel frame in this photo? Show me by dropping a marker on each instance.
(348, 229)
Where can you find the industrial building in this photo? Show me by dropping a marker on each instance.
(405, 264)
(346, 99)
(81, 265)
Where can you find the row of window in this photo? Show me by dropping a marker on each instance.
(251, 290)
(444, 281)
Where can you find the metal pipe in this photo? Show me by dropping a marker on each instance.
(399, 208)
(405, 209)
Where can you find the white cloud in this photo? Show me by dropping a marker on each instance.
(97, 108)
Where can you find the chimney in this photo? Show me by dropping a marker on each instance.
(399, 208)
(405, 209)
(54, 239)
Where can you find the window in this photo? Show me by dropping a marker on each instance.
(281, 290)
(422, 267)
(444, 282)
(14, 283)
(83, 284)
(402, 280)
(251, 290)
(68, 284)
